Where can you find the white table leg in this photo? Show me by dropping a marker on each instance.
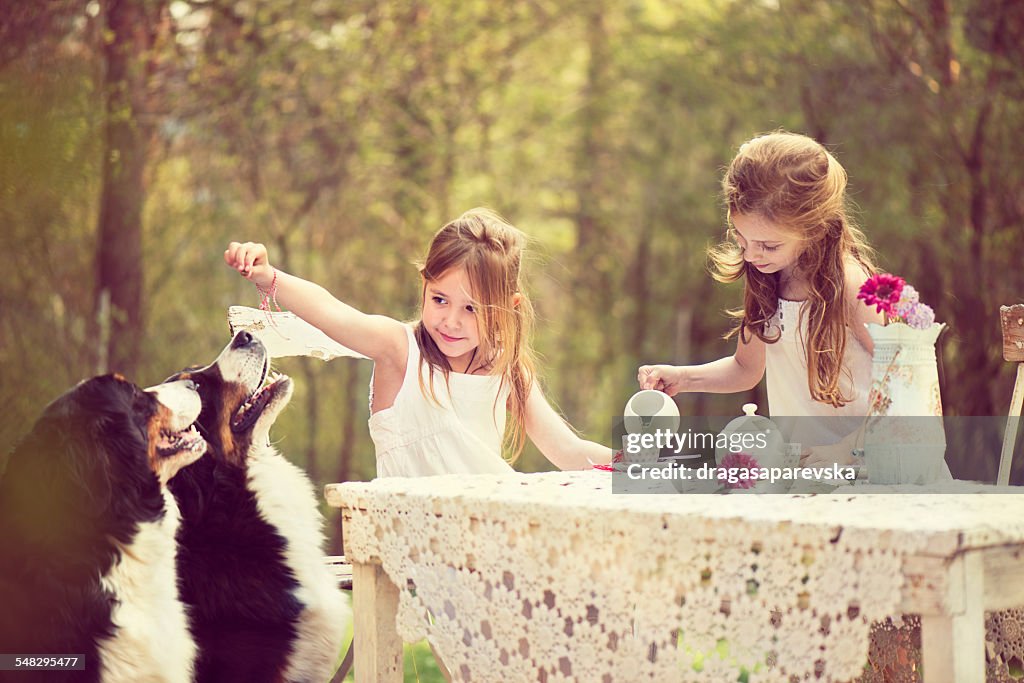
(378, 649)
(953, 644)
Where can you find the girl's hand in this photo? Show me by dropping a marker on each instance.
(250, 259)
(666, 378)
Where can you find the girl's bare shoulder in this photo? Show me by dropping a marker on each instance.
(854, 275)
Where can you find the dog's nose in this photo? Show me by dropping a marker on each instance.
(241, 339)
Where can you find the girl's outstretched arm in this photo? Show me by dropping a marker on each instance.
(557, 440)
(378, 337)
(739, 372)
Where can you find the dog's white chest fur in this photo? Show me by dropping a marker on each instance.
(152, 641)
(286, 500)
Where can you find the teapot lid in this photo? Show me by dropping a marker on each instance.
(751, 422)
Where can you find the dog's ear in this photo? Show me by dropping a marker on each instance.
(89, 468)
(183, 373)
(95, 428)
(76, 466)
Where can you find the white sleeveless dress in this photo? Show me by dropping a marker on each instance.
(415, 437)
(817, 424)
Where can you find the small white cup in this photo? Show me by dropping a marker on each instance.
(644, 456)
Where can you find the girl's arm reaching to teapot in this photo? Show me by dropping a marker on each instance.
(738, 372)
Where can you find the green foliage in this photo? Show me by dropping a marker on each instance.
(48, 180)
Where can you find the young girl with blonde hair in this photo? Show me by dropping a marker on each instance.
(442, 386)
(802, 260)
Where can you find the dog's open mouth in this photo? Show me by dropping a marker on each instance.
(253, 407)
(171, 442)
(174, 428)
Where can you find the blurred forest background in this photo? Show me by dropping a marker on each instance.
(137, 137)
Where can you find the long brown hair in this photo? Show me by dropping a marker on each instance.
(793, 181)
(491, 251)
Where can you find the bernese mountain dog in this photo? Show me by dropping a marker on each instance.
(264, 605)
(87, 532)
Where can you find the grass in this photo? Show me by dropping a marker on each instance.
(420, 666)
(419, 663)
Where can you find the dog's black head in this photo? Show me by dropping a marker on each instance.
(91, 468)
(238, 408)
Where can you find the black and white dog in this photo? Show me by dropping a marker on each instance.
(87, 533)
(264, 606)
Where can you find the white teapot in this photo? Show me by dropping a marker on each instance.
(756, 437)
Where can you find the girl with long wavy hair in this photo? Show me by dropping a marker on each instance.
(443, 386)
(792, 241)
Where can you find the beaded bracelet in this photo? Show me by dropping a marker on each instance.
(269, 295)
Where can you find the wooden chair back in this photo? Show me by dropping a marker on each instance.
(1012, 320)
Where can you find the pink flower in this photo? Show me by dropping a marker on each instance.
(734, 462)
(882, 290)
(900, 301)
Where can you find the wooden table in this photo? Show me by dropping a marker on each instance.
(959, 556)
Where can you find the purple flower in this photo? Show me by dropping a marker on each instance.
(909, 295)
(882, 290)
(920, 316)
(908, 299)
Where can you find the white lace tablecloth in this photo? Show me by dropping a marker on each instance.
(551, 577)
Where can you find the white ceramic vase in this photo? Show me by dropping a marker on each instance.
(904, 442)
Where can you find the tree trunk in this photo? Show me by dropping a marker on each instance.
(119, 274)
(581, 363)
